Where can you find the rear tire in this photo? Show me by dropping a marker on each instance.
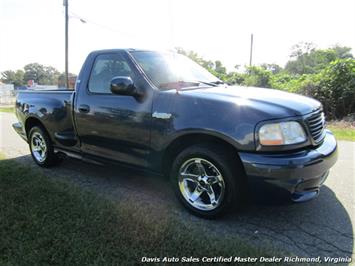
(208, 180)
(41, 148)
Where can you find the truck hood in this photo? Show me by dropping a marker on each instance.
(273, 103)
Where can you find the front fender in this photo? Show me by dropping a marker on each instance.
(199, 132)
(183, 114)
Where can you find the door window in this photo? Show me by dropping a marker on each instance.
(106, 67)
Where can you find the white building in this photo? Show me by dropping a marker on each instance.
(7, 94)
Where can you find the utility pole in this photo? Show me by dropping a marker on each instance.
(251, 50)
(65, 3)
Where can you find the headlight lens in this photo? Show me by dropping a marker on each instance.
(282, 133)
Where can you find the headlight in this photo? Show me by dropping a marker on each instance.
(282, 133)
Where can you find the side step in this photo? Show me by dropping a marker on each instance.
(76, 155)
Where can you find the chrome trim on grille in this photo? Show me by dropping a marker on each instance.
(316, 125)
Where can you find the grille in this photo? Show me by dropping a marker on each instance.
(316, 123)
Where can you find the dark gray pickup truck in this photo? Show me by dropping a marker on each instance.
(164, 113)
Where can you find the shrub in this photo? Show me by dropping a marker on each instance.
(235, 78)
(258, 77)
(334, 87)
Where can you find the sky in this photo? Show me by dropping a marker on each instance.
(33, 31)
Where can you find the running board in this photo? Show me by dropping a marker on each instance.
(76, 155)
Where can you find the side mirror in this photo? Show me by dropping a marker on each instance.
(123, 86)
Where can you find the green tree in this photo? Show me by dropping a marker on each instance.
(342, 52)
(312, 62)
(34, 71)
(235, 78)
(219, 68)
(306, 59)
(337, 87)
(258, 76)
(302, 48)
(327, 75)
(274, 68)
(51, 76)
(334, 86)
(12, 77)
(43, 75)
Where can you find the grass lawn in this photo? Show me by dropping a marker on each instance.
(7, 109)
(342, 130)
(43, 221)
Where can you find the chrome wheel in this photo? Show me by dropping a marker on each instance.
(38, 147)
(201, 184)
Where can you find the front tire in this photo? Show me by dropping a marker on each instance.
(206, 180)
(41, 148)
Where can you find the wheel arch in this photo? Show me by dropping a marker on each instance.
(31, 122)
(189, 139)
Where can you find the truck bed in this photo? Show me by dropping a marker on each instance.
(34, 89)
(53, 108)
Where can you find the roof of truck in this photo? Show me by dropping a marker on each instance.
(129, 50)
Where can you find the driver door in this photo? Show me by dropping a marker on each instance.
(113, 126)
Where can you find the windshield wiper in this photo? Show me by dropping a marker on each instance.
(209, 83)
(183, 84)
(217, 82)
(213, 84)
(198, 82)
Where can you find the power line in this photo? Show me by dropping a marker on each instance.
(89, 21)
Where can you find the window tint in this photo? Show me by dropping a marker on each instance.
(106, 67)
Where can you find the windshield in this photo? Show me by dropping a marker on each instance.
(169, 70)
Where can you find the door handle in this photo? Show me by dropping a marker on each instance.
(84, 108)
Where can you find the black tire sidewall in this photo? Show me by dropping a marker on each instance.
(223, 163)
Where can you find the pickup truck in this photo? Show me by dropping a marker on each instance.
(162, 112)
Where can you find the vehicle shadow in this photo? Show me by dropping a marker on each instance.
(321, 227)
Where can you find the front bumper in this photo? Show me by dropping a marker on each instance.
(301, 173)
